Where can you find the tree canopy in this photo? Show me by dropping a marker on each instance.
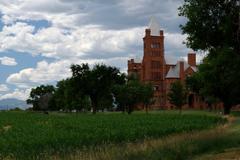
(87, 87)
(41, 96)
(212, 24)
(214, 27)
(133, 93)
(221, 78)
(177, 94)
(98, 88)
(97, 83)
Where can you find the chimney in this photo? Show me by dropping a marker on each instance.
(192, 59)
(147, 32)
(181, 70)
(161, 32)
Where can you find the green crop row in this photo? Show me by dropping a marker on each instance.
(26, 135)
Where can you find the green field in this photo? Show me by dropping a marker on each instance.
(26, 135)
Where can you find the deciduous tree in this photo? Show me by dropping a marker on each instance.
(214, 27)
(212, 24)
(133, 93)
(97, 83)
(40, 97)
(177, 95)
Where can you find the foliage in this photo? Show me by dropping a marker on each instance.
(212, 24)
(86, 88)
(36, 136)
(40, 96)
(97, 83)
(147, 93)
(177, 94)
(16, 109)
(195, 83)
(68, 97)
(133, 93)
(127, 96)
(221, 78)
(217, 79)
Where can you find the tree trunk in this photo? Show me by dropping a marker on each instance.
(180, 109)
(94, 104)
(146, 108)
(129, 109)
(94, 107)
(94, 110)
(209, 105)
(123, 109)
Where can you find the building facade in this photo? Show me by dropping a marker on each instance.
(154, 69)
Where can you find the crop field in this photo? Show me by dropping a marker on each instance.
(26, 135)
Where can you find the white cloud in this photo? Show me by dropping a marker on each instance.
(43, 73)
(8, 61)
(3, 88)
(143, 7)
(17, 94)
(46, 73)
(61, 14)
(174, 47)
(78, 28)
(85, 42)
(75, 13)
(60, 43)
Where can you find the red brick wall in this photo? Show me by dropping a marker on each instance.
(192, 59)
(134, 68)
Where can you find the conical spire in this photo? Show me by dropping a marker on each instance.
(154, 27)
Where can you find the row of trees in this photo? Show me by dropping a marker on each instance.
(102, 87)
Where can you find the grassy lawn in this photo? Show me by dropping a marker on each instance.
(26, 135)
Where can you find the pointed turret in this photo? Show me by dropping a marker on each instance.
(154, 27)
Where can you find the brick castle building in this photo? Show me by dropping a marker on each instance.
(153, 68)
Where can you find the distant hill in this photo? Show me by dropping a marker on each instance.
(12, 103)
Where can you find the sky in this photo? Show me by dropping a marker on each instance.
(40, 39)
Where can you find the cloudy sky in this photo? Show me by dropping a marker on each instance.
(40, 39)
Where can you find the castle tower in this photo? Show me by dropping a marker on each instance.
(153, 64)
(153, 58)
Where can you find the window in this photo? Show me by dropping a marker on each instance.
(156, 88)
(155, 45)
(160, 87)
(156, 75)
(155, 64)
